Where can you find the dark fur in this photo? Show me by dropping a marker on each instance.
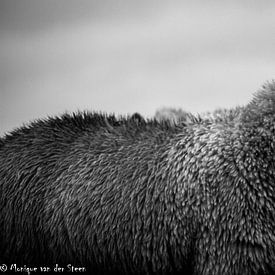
(137, 118)
(132, 196)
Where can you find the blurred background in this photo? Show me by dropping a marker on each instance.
(131, 56)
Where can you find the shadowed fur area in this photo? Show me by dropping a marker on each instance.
(128, 195)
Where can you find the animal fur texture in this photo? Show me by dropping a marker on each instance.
(133, 196)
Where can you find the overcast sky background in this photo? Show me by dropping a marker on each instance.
(127, 56)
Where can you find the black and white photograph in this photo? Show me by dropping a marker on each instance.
(137, 137)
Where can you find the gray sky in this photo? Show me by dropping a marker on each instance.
(127, 56)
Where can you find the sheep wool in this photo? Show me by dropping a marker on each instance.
(128, 195)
